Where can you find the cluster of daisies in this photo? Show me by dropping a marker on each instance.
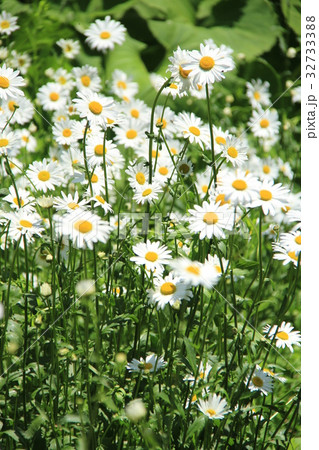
(101, 134)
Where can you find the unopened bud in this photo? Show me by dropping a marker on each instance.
(45, 290)
(135, 410)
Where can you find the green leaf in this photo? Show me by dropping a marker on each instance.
(196, 427)
(205, 8)
(35, 425)
(191, 354)
(11, 433)
(244, 263)
(291, 9)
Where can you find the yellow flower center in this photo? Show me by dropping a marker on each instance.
(135, 113)
(151, 256)
(44, 175)
(146, 366)
(25, 223)
(257, 381)
(140, 178)
(98, 150)
(4, 142)
(293, 256)
(163, 170)
(100, 199)
(205, 188)
(121, 84)
(173, 150)
(211, 412)
(282, 335)
(168, 288)
(194, 398)
(95, 108)
(94, 178)
(105, 35)
(184, 168)
(146, 192)
(62, 80)
(83, 226)
(184, 73)
(161, 122)
(232, 152)
(194, 130)
(86, 80)
(54, 96)
(5, 24)
(15, 200)
(257, 95)
(266, 169)
(12, 105)
(239, 185)
(25, 138)
(193, 269)
(298, 240)
(206, 63)
(173, 86)
(67, 132)
(218, 269)
(220, 140)
(210, 218)
(264, 123)
(221, 198)
(73, 205)
(131, 134)
(4, 82)
(265, 195)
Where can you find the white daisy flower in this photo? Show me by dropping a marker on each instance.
(87, 78)
(150, 364)
(100, 201)
(138, 175)
(264, 124)
(291, 240)
(65, 78)
(131, 134)
(258, 93)
(136, 110)
(8, 23)
(228, 51)
(69, 202)
(296, 94)
(235, 151)
(260, 381)
(194, 272)
(71, 161)
(270, 197)
(52, 96)
(95, 149)
(152, 255)
(203, 372)
(62, 132)
(27, 201)
(9, 142)
(282, 253)
(219, 266)
(214, 407)
(45, 175)
(265, 169)
(210, 220)
(104, 34)
(83, 228)
(10, 81)
(70, 47)
(166, 121)
(94, 107)
(24, 223)
(179, 74)
(285, 168)
(147, 192)
(164, 171)
(123, 86)
(174, 89)
(272, 374)
(22, 108)
(169, 290)
(240, 187)
(185, 167)
(284, 336)
(208, 65)
(191, 127)
(202, 183)
(220, 138)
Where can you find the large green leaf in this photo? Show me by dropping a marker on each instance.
(254, 33)
(291, 9)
